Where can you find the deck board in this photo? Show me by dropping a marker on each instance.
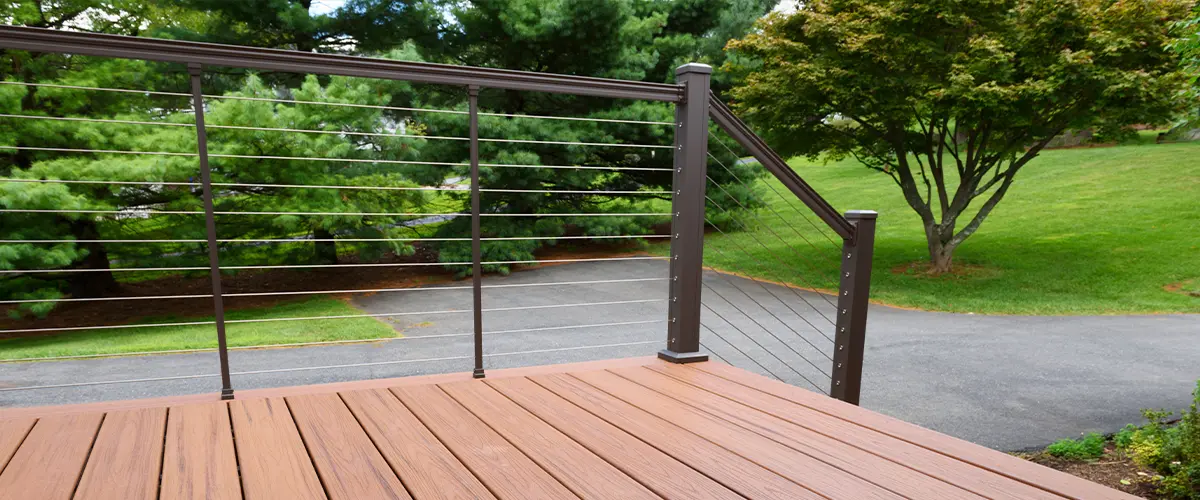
(576, 467)
(198, 459)
(934, 464)
(12, 433)
(724, 466)
(640, 428)
(821, 477)
(51, 458)
(1003, 464)
(660, 472)
(273, 460)
(126, 458)
(349, 465)
(867, 466)
(506, 471)
(423, 463)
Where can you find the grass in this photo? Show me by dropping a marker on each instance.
(129, 340)
(1082, 231)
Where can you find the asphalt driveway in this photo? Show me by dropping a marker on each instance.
(1008, 382)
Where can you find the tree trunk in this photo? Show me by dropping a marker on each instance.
(90, 283)
(941, 252)
(325, 251)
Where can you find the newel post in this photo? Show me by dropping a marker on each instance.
(687, 221)
(853, 299)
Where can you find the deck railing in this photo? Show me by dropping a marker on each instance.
(842, 328)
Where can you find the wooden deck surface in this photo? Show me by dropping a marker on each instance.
(625, 429)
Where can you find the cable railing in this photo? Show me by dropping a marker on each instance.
(204, 207)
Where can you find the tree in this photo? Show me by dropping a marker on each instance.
(602, 38)
(952, 99)
(266, 192)
(358, 26)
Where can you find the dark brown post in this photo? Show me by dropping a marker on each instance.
(853, 300)
(210, 226)
(476, 232)
(687, 208)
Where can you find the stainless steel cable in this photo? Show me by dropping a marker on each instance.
(100, 151)
(576, 167)
(104, 89)
(744, 208)
(292, 344)
(335, 104)
(119, 183)
(781, 301)
(96, 120)
(574, 143)
(339, 104)
(740, 351)
(329, 266)
(579, 119)
(354, 240)
(777, 259)
(714, 353)
(319, 186)
(331, 292)
(345, 160)
(785, 199)
(325, 367)
(587, 282)
(769, 332)
(757, 343)
(346, 214)
(602, 237)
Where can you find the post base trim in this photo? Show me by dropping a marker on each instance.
(682, 357)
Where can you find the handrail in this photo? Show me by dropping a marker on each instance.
(740, 132)
(104, 45)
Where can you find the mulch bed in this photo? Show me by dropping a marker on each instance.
(1110, 470)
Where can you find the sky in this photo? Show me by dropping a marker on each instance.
(319, 7)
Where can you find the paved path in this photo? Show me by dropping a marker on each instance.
(1009, 382)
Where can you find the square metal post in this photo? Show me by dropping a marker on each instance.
(853, 300)
(687, 208)
(476, 231)
(210, 226)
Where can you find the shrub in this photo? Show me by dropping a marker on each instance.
(1089, 447)
(1173, 451)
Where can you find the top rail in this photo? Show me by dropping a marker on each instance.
(740, 132)
(104, 45)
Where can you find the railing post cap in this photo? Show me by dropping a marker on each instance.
(694, 68)
(861, 214)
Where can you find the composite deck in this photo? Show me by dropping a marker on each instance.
(625, 429)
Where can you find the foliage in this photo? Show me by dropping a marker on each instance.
(176, 169)
(603, 38)
(1171, 450)
(1187, 45)
(1089, 447)
(923, 89)
(630, 39)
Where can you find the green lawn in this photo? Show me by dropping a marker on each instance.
(1082, 231)
(87, 342)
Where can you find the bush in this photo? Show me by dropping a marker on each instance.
(1171, 450)
(1089, 447)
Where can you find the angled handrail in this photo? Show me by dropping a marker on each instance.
(740, 132)
(104, 45)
